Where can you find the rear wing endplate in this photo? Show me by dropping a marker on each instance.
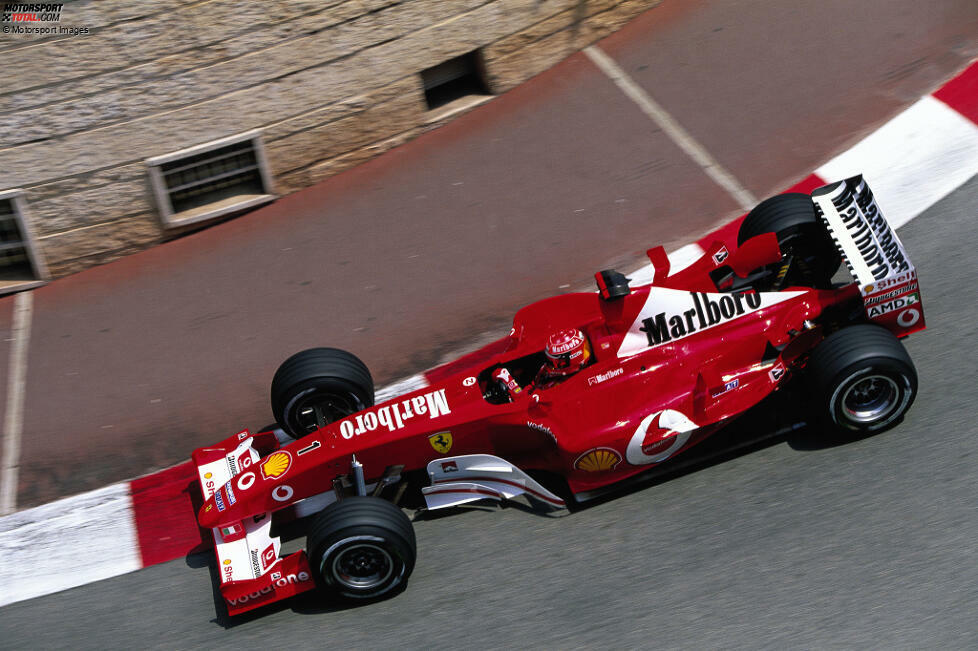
(875, 256)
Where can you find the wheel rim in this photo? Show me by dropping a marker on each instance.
(363, 566)
(870, 399)
(318, 410)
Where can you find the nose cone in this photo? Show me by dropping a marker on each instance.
(208, 516)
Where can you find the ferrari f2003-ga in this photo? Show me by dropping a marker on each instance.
(590, 388)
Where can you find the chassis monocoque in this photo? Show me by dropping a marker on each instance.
(674, 361)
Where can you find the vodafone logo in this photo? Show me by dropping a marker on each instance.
(282, 493)
(277, 581)
(658, 437)
(908, 317)
(268, 557)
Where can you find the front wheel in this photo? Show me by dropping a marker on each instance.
(317, 387)
(862, 379)
(361, 548)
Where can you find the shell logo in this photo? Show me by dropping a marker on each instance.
(276, 465)
(227, 561)
(208, 475)
(598, 460)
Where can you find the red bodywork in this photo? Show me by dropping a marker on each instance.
(674, 351)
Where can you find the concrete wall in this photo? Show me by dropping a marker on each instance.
(330, 83)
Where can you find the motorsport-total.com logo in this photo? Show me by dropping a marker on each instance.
(35, 18)
(31, 12)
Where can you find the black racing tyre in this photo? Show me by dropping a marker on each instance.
(862, 380)
(319, 386)
(361, 548)
(800, 234)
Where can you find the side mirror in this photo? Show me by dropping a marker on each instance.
(612, 284)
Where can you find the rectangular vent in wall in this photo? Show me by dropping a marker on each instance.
(463, 76)
(211, 180)
(20, 264)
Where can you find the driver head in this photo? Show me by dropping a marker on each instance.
(567, 352)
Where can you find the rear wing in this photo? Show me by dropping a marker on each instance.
(875, 256)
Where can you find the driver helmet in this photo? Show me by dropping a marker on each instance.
(567, 352)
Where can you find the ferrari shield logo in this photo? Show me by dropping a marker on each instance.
(442, 442)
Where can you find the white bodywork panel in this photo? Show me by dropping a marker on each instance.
(463, 479)
(874, 254)
(240, 558)
(676, 313)
(869, 245)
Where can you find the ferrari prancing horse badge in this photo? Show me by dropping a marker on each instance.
(442, 442)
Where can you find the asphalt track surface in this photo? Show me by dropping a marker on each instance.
(409, 257)
(869, 544)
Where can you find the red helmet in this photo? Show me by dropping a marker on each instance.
(567, 352)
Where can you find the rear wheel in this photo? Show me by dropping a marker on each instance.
(809, 257)
(319, 386)
(862, 379)
(361, 548)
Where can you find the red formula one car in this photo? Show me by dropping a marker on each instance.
(592, 388)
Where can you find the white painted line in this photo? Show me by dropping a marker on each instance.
(913, 161)
(672, 128)
(67, 543)
(13, 423)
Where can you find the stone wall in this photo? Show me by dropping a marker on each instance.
(329, 83)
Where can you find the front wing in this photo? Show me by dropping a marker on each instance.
(251, 572)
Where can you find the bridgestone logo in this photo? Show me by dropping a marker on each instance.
(704, 313)
(872, 300)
